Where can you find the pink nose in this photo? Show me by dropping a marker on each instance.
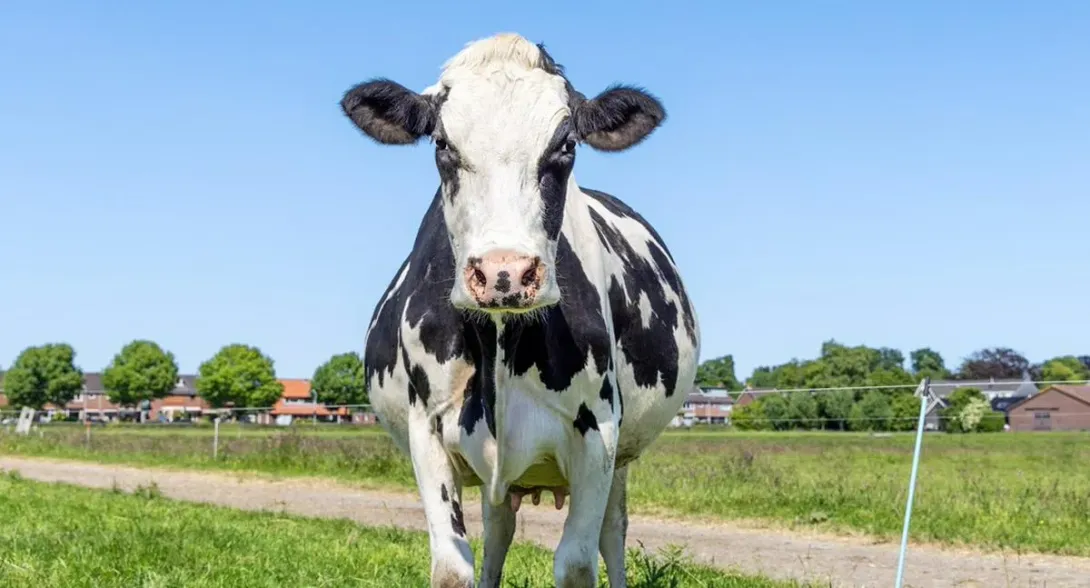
(504, 279)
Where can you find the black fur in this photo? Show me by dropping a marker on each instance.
(390, 113)
(618, 118)
(457, 521)
(584, 420)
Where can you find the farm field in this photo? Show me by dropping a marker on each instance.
(57, 535)
(1021, 492)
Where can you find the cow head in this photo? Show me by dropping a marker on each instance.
(505, 123)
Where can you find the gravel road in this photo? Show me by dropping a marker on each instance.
(844, 561)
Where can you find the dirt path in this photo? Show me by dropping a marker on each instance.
(843, 561)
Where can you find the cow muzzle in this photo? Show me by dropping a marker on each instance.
(506, 280)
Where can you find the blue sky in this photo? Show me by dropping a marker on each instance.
(902, 176)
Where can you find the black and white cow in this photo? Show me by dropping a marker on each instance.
(538, 335)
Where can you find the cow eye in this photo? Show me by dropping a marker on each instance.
(441, 144)
(568, 147)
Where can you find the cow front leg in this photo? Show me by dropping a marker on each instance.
(499, 531)
(590, 476)
(441, 495)
(615, 529)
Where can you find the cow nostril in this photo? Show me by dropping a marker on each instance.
(529, 277)
(479, 277)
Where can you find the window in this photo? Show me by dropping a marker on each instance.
(1042, 420)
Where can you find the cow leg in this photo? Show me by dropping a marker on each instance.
(615, 528)
(499, 531)
(441, 495)
(590, 475)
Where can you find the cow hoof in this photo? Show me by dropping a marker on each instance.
(445, 576)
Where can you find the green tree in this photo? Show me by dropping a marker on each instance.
(46, 374)
(836, 407)
(927, 362)
(1064, 368)
(890, 359)
(749, 417)
(802, 410)
(872, 412)
(776, 410)
(905, 408)
(956, 402)
(142, 370)
(718, 372)
(341, 380)
(239, 375)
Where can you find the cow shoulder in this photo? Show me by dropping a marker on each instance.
(646, 297)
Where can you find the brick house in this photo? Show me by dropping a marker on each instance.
(1056, 408)
(183, 399)
(299, 400)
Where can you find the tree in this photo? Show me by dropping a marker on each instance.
(240, 375)
(997, 362)
(42, 375)
(958, 401)
(1085, 360)
(776, 411)
(872, 412)
(928, 362)
(890, 359)
(749, 417)
(142, 370)
(341, 380)
(1065, 368)
(802, 410)
(905, 409)
(718, 372)
(836, 407)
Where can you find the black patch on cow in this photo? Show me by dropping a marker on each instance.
(388, 112)
(584, 420)
(423, 300)
(620, 209)
(503, 282)
(606, 393)
(650, 351)
(457, 522)
(443, 493)
(479, 399)
(558, 343)
(666, 269)
(553, 170)
(447, 160)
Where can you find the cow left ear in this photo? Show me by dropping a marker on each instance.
(618, 118)
(389, 113)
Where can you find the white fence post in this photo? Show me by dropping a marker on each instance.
(216, 440)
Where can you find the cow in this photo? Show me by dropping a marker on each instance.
(537, 337)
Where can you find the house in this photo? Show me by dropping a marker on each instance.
(1056, 408)
(300, 400)
(182, 400)
(1000, 394)
(709, 405)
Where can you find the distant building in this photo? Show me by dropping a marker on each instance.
(1056, 408)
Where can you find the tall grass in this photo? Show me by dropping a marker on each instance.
(1026, 492)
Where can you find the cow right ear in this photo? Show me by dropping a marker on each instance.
(389, 113)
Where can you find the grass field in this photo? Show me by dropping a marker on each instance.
(56, 535)
(1025, 492)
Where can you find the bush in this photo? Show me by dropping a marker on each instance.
(991, 422)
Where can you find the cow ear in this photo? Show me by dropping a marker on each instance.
(618, 118)
(389, 113)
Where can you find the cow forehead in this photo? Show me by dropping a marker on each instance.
(504, 112)
(501, 94)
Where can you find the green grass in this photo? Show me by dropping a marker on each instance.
(1024, 492)
(65, 536)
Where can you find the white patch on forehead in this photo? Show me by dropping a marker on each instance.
(503, 103)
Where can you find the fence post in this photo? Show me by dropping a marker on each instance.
(216, 440)
(924, 392)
